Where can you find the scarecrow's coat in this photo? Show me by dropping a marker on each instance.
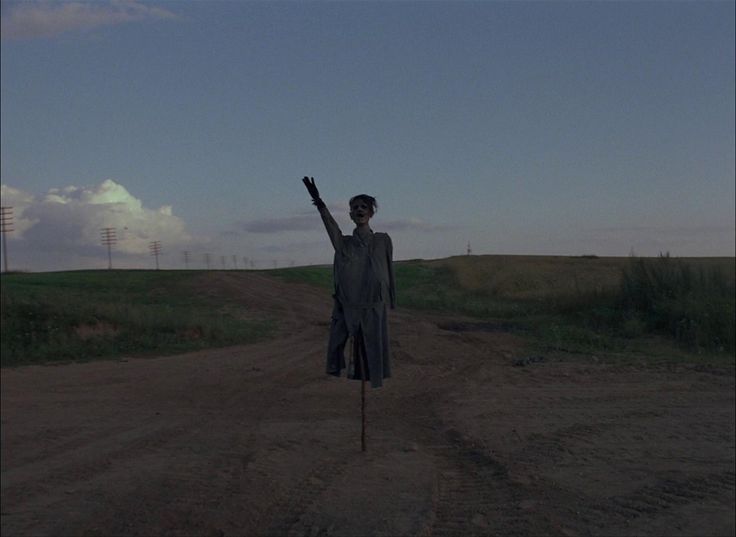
(364, 287)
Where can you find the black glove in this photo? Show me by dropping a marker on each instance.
(312, 189)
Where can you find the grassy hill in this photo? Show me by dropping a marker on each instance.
(577, 304)
(62, 316)
(541, 277)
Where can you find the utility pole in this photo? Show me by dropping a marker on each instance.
(186, 260)
(155, 248)
(207, 260)
(109, 238)
(469, 250)
(6, 226)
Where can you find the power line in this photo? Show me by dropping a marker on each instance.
(155, 248)
(109, 238)
(6, 226)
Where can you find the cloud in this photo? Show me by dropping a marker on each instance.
(19, 201)
(308, 221)
(30, 20)
(67, 221)
(292, 248)
(413, 224)
(299, 222)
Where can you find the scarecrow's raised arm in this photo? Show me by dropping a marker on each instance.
(333, 230)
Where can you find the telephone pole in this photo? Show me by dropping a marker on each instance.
(109, 238)
(469, 250)
(186, 260)
(6, 226)
(155, 248)
(207, 260)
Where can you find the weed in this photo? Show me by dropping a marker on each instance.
(694, 305)
(581, 304)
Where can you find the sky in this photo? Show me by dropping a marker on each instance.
(530, 128)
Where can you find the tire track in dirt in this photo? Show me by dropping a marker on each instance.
(285, 516)
(668, 493)
(257, 440)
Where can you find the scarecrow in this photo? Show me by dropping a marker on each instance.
(364, 288)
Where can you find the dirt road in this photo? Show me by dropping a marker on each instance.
(256, 440)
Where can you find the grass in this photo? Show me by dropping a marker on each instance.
(320, 275)
(631, 307)
(695, 305)
(83, 315)
(588, 304)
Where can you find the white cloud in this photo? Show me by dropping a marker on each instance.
(19, 201)
(28, 20)
(67, 222)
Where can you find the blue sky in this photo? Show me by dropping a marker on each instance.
(562, 128)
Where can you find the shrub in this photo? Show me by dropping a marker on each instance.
(696, 306)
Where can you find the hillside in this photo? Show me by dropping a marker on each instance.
(539, 277)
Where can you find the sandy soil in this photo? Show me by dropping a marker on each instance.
(256, 440)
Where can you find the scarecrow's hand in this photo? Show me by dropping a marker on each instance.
(312, 189)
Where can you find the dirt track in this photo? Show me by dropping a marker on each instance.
(256, 440)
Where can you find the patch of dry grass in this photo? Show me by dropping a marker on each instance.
(547, 277)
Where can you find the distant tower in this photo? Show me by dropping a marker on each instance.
(469, 249)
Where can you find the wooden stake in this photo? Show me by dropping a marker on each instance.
(358, 354)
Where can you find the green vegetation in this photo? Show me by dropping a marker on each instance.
(579, 304)
(694, 305)
(320, 275)
(52, 317)
(626, 306)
